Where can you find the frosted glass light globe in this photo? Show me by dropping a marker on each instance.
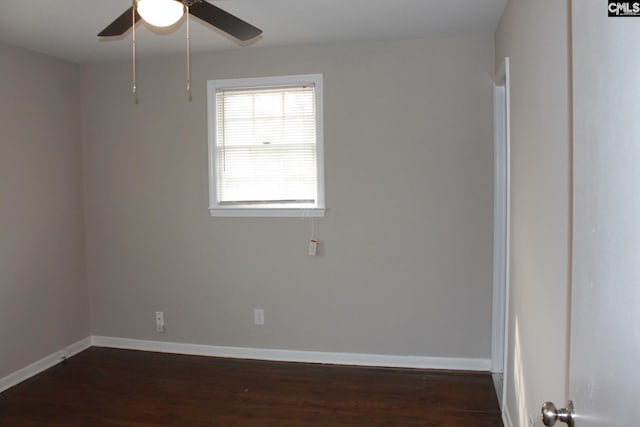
(160, 13)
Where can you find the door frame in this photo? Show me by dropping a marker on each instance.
(501, 225)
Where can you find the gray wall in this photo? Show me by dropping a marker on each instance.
(43, 292)
(406, 244)
(534, 34)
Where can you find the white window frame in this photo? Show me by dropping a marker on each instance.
(218, 210)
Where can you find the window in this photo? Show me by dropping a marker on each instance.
(265, 146)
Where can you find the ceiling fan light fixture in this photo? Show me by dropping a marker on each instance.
(160, 13)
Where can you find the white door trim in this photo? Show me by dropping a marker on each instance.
(501, 220)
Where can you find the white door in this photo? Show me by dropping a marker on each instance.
(604, 366)
(501, 188)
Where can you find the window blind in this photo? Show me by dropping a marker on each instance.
(266, 146)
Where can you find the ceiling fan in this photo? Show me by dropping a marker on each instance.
(163, 13)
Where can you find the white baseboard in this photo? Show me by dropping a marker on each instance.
(357, 359)
(506, 418)
(445, 363)
(44, 364)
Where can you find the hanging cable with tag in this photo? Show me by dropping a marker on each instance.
(134, 88)
(313, 242)
(188, 54)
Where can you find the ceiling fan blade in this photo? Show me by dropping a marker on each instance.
(120, 25)
(225, 21)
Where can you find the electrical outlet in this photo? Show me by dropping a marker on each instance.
(258, 316)
(159, 321)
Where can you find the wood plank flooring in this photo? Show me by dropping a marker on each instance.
(109, 387)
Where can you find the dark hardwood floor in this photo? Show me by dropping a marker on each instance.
(108, 387)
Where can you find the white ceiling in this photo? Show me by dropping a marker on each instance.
(67, 28)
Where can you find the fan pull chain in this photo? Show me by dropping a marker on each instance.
(188, 56)
(134, 87)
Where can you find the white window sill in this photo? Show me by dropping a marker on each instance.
(268, 212)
